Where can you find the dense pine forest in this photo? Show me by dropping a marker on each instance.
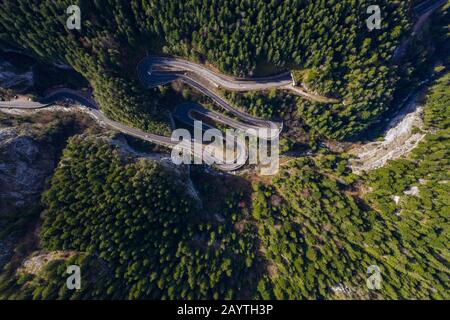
(136, 221)
(143, 229)
(311, 232)
(327, 40)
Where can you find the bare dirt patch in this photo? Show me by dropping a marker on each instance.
(35, 263)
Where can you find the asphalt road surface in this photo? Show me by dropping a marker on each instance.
(153, 64)
(155, 70)
(428, 5)
(91, 106)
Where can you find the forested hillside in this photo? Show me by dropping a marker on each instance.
(329, 40)
(322, 227)
(137, 223)
(320, 237)
(96, 52)
(311, 232)
(142, 229)
(30, 148)
(416, 191)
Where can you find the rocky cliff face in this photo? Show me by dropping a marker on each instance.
(25, 165)
(11, 77)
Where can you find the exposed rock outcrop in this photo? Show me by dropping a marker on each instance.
(11, 77)
(25, 164)
(399, 139)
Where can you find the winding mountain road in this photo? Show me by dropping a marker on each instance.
(156, 70)
(428, 6)
(250, 125)
(152, 64)
(423, 12)
(186, 113)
